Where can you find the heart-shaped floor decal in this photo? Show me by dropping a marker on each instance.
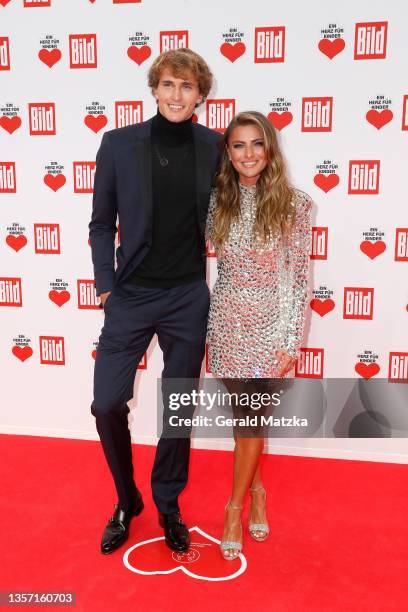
(202, 561)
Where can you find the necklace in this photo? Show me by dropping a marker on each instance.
(163, 160)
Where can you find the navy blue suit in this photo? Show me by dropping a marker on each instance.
(133, 314)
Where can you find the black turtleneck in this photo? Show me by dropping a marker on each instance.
(175, 255)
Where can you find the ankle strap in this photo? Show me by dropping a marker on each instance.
(260, 488)
(233, 506)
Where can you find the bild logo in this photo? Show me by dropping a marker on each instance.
(401, 244)
(10, 292)
(220, 113)
(174, 39)
(317, 114)
(364, 176)
(404, 125)
(128, 113)
(319, 242)
(84, 174)
(358, 303)
(52, 350)
(42, 118)
(398, 367)
(47, 238)
(87, 298)
(4, 53)
(7, 177)
(34, 3)
(82, 51)
(310, 363)
(270, 44)
(370, 41)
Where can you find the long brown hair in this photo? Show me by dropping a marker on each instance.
(274, 211)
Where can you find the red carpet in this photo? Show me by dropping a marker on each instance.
(339, 532)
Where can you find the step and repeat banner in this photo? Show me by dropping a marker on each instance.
(331, 82)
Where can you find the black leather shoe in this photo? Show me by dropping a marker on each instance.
(176, 534)
(117, 530)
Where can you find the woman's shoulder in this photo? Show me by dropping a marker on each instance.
(301, 200)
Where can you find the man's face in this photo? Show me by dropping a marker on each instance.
(177, 97)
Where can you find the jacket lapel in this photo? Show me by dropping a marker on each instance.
(204, 173)
(143, 170)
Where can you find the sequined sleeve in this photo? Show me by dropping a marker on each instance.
(209, 228)
(298, 261)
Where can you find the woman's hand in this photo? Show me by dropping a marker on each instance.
(285, 362)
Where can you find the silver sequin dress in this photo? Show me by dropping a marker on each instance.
(259, 298)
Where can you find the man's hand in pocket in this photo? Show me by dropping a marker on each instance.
(104, 297)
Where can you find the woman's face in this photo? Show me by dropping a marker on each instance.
(246, 150)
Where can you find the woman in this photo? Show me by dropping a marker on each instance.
(260, 228)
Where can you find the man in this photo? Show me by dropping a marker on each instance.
(155, 177)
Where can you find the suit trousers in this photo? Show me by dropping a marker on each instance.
(133, 314)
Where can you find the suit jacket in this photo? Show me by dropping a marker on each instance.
(123, 189)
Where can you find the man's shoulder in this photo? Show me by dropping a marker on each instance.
(206, 134)
(129, 132)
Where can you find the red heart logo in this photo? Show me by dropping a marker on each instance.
(233, 51)
(367, 370)
(16, 242)
(322, 307)
(372, 249)
(326, 181)
(379, 118)
(139, 54)
(202, 560)
(94, 353)
(55, 181)
(4, 2)
(280, 120)
(59, 297)
(50, 56)
(10, 124)
(22, 352)
(95, 122)
(331, 47)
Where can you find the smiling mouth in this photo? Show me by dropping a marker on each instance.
(249, 164)
(175, 107)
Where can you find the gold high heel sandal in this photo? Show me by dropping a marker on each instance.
(259, 531)
(230, 549)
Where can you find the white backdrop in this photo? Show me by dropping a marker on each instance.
(340, 110)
